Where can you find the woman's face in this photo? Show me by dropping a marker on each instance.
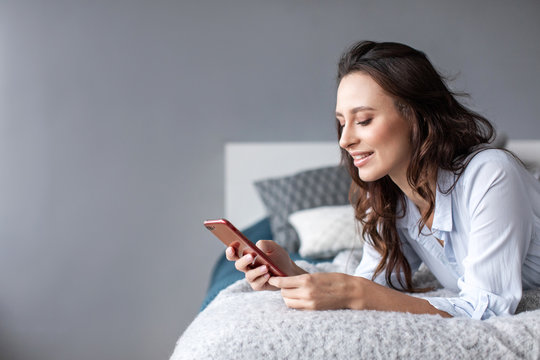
(374, 132)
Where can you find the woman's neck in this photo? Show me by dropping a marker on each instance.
(422, 204)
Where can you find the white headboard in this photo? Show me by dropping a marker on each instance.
(247, 162)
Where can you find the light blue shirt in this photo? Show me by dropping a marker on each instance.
(490, 226)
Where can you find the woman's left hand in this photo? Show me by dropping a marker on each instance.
(317, 291)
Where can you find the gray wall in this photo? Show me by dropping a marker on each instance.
(113, 117)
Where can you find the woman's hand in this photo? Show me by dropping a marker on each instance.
(318, 291)
(258, 277)
(330, 291)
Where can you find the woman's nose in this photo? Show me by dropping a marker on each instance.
(347, 138)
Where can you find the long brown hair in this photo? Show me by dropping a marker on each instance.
(444, 134)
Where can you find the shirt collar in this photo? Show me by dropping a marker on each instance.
(442, 219)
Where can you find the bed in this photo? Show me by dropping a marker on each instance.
(236, 322)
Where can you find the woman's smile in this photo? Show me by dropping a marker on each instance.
(361, 158)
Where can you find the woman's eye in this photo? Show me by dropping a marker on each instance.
(364, 122)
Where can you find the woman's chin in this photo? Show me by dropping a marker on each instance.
(369, 176)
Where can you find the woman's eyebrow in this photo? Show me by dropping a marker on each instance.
(356, 110)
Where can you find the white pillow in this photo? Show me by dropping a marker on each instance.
(324, 231)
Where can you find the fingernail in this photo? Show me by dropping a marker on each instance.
(229, 251)
(263, 269)
(249, 258)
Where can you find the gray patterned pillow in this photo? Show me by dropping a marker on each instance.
(305, 190)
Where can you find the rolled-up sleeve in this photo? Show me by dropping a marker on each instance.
(474, 304)
(500, 231)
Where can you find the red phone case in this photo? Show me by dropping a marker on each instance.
(231, 236)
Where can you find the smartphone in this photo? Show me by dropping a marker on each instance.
(231, 236)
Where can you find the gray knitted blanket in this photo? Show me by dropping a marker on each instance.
(243, 324)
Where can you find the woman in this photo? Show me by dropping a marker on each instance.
(427, 188)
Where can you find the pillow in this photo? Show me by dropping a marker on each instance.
(304, 190)
(326, 230)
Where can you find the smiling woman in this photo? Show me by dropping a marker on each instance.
(375, 134)
(427, 187)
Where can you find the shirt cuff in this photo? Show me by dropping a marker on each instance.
(458, 307)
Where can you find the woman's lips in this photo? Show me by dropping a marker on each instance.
(360, 159)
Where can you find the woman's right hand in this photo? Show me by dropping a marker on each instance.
(258, 277)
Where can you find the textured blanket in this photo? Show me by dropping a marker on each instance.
(242, 324)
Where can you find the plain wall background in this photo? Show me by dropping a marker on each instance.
(113, 119)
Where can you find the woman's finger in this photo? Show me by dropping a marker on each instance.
(230, 254)
(253, 274)
(260, 283)
(290, 282)
(299, 304)
(244, 263)
(292, 293)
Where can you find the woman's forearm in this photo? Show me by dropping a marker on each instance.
(368, 295)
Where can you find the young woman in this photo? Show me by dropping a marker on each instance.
(427, 188)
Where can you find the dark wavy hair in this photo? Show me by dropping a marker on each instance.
(444, 134)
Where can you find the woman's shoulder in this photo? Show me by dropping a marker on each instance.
(490, 160)
(489, 155)
(486, 165)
